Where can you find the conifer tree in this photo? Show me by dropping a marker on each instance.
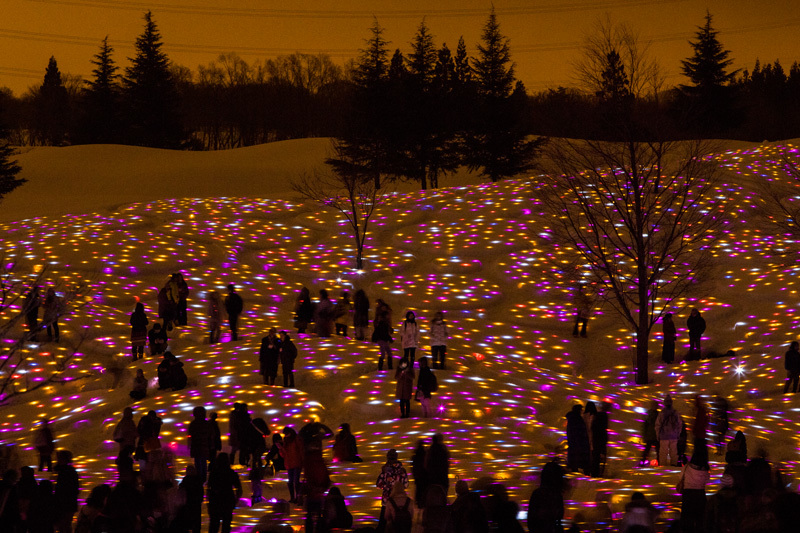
(8, 167)
(51, 107)
(100, 122)
(498, 144)
(151, 94)
(463, 70)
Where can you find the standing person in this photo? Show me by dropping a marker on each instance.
(234, 305)
(91, 510)
(66, 491)
(345, 448)
(31, 309)
(670, 336)
(719, 421)
(166, 307)
(392, 472)
(546, 506)
(125, 432)
(201, 441)
(341, 312)
(419, 473)
(399, 511)
(409, 336)
(700, 427)
(649, 433)
(43, 442)
(697, 326)
(288, 355)
(437, 463)
(224, 491)
(692, 485)
(360, 314)
(52, 310)
(318, 479)
(578, 457)
(11, 514)
(438, 339)
(467, 514)
(323, 315)
(183, 296)
(668, 430)
(589, 412)
(382, 336)
(583, 310)
(303, 311)
(216, 438)
(792, 365)
(138, 322)
(157, 339)
(149, 428)
(268, 356)
(214, 312)
(190, 516)
(405, 386)
(426, 385)
(42, 512)
(235, 431)
(599, 431)
(292, 452)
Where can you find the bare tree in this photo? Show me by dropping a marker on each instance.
(609, 43)
(635, 219)
(344, 189)
(19, 349)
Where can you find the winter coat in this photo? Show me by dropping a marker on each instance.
(292, 451)
(467, 515)
(696, 325)
(668, 424)
(125, 433)
(166, 308)
(439, 333)
(268, 355)
(409, 334)
(427, 382)
(342, 308)
(43, 440)
(545, 510)
(700, 428)
(224, 490)
(670, 333)
(391, 473)
(323, 318)
(792, 361)
(361, 313)
(577, 442)
(52, 308)
(183, 290)
(694, 477)
(234, 305)
(437, 465)
(382, 331)
(158, 339)
(288, 355)
(600, 432)
(138, 322)
(345, 447)
(649, 426)
(67, 489)
(201, 438)
(304, 310)
(405, 382)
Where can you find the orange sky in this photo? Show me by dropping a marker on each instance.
(545, 35)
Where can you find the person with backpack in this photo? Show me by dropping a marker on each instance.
(668, 430)
(692, 486)
(399, 511)
(426, 385)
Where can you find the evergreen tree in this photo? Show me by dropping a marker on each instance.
(51, 107)
(372, 66)
(8, 167)
(100, 122)
(498, 144)
(463, 70)
(398, 73)
(615, 84)
(445, 70)
(151, 95)
(422, 61)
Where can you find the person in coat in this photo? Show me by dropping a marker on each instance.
(268, 356)
(701, 422)
(190, 515)
(382, 336)
(53, 307)
(599, 432)
(467, 514)
(149, 429)
(30, 307)
(335, 515)
(583, 310)
(201, 441)
(157, 339)
(345, 448)
(546, 505)
(437, 463)
(183, 297)
(649, 433)
(578, 455)
(166, 307)
(323, 315)
(694, 477)
(400, 510)
(214, 312)
(234, 305)
(409, 336)
(125, 432)
(426, 385)
(405, 386)
(697, 326)
(670, 336)
(791, 363)
(43, 442)
(392, 472)
(303, 311)
(438, 340)
(668, 430)
(224, 491)
(66, 492)
(341, 312)
(360, 314)
(288, 355)
(293, 453)
(138, 322)
(640, 515)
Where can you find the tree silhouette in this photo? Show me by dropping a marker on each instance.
(150, 94)
(9, 170)
(52, 107)
(100, 104)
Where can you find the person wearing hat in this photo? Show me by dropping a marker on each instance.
(391, 473)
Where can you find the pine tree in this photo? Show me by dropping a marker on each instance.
(497, 143)
(372, 66)
(422, 61)
(8, 167)
(445, 70)
(151, 94)
(51, 107)
(615, 86)
(100, 122)
(707, 68)
(463, 70)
